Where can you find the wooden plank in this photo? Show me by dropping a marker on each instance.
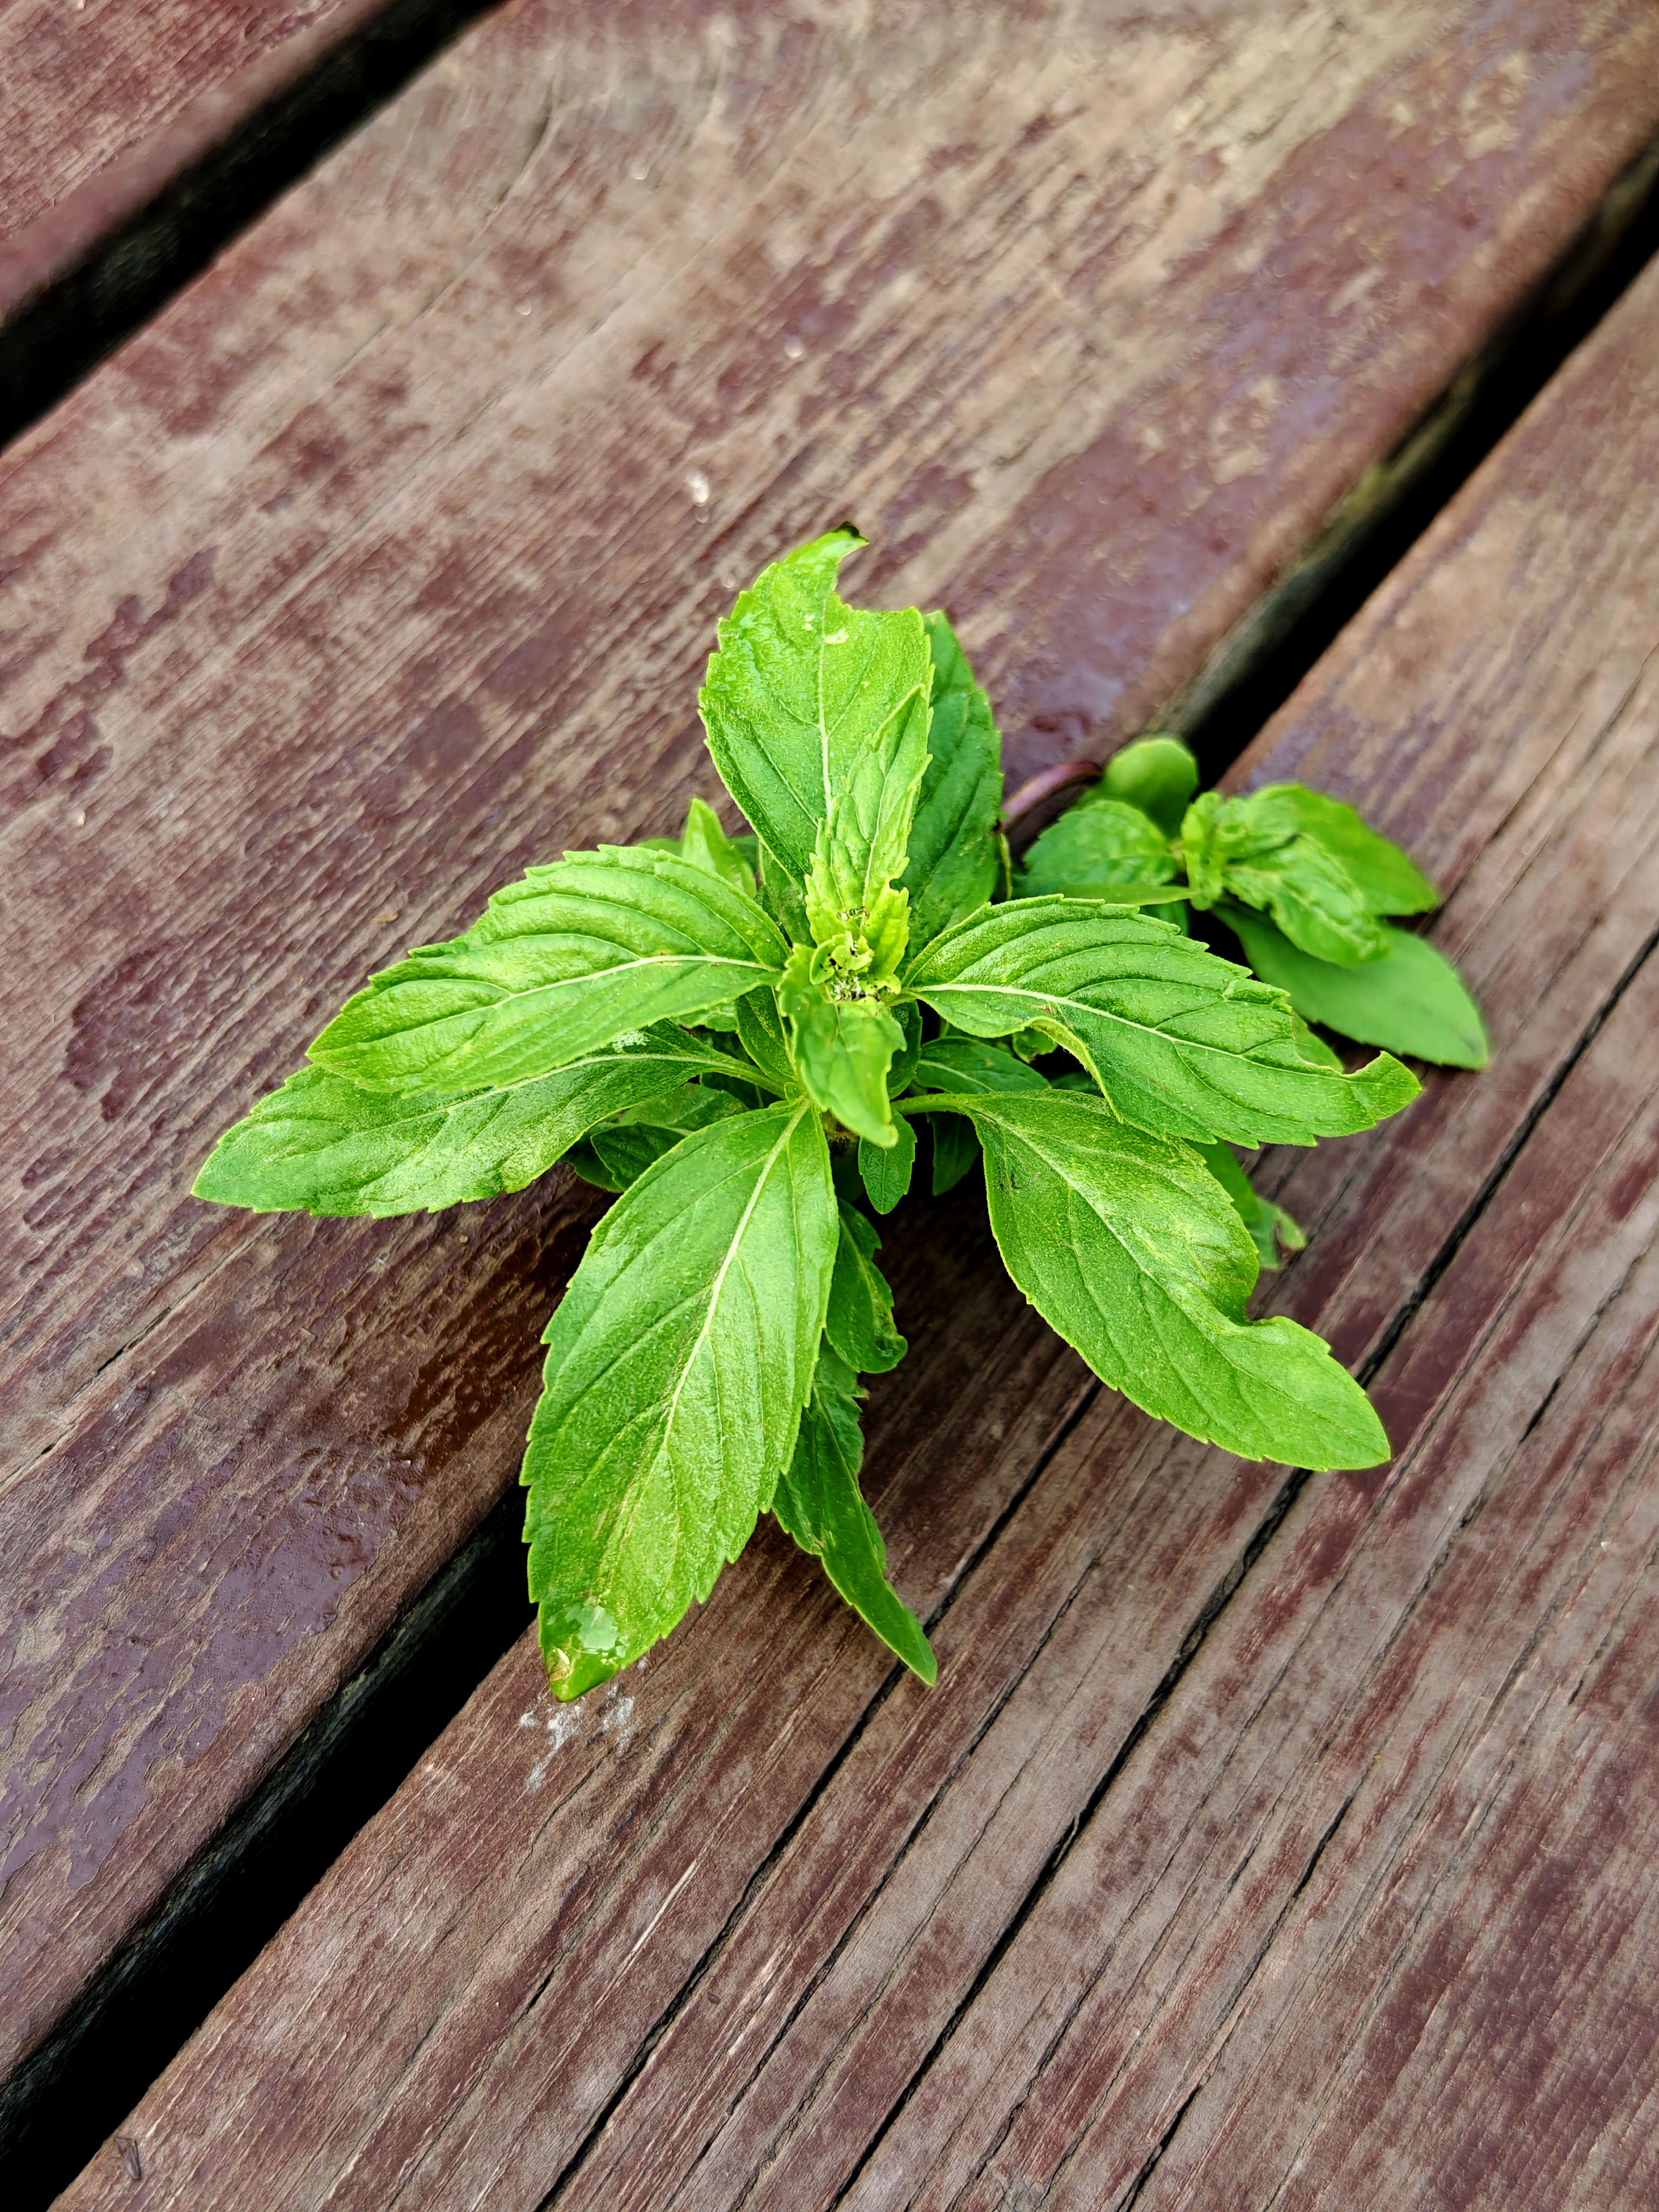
(351, 586)
(108, 105)
(621, 1977)
(1404, 1806)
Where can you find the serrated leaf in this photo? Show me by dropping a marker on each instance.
(1254, 848)
(859, 1320)
(954, 857)
(808, 700)
(819, 1502)
(841, 1049)
(678, 1364)
(1183, 1044)
(576, 954)
(323, 1145)
(1157, 774)
(886, 1170)
(1412, 1000)
(1388, 879)
(1096, 847)
(852, 904)
(1130, 1249)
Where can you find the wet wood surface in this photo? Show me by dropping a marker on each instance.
(1265, 1841)
(107, 106)
(384, 562)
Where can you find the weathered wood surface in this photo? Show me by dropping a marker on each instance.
(382, 564)
(1259, 1844)
(107, 106)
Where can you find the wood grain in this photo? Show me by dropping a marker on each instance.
(107, 106)
(1236, 1801)
(374, 569)
(1306, 1858)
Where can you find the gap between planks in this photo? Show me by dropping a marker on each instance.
(109, 254)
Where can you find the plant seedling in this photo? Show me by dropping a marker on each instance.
(746, 1037)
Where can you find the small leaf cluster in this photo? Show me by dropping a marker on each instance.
(1304, 885)
(755, 1041)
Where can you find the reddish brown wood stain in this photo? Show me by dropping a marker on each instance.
(107, 106)
(352, 585)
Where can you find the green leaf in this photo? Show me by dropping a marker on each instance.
(808, 701)
(1254, 848)
(634, 1140)
(747, 1088)
(1183, 1044)
(819, 1502)
(574, 955)
(678, 1365)
(859, 1320)
(1387, 880)
(1158, 774)
(1269, 1225)
(706, 845)
(841, 1049)
(908, 1014)
(1412, 1000)
(761, 1033)
(781, 896)
(1309, 1046)
(584, 1161)
(956, 1148)
(1169, 898)
(1096, 846)
(886, 1172)
(1129, 1248)
(323, 1146)
(1275, 1233)
(954, 859)
(965, 1063)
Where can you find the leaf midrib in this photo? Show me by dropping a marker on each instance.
(507, 996)
(733, 1248)
(1052, 1002)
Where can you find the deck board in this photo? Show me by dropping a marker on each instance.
(108, 105)
(1367, 1897)
(348, 586)
(734, 1931)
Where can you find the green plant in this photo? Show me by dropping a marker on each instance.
(1298, 877)
(742, 1037)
